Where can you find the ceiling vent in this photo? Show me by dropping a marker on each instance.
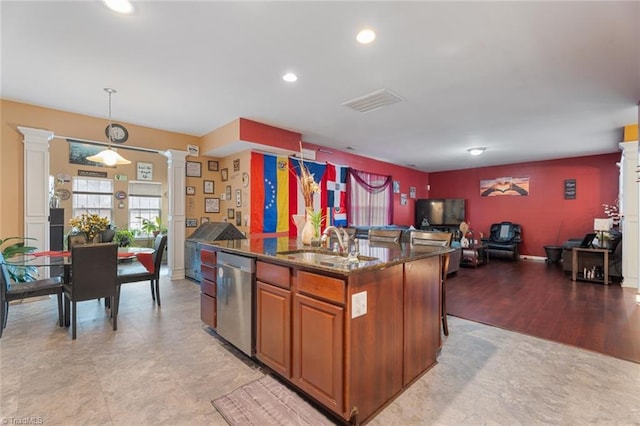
(373, 101)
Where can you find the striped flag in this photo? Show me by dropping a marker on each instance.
(269, 193)
(334, 194)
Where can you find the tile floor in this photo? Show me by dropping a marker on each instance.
(163, 366)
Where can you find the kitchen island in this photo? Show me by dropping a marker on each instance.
(350, 334)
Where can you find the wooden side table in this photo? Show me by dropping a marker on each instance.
(587, 258)
(474, 256)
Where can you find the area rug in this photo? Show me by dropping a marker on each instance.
(266, 401)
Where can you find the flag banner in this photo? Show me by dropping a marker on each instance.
(269, 193)
(334, 194)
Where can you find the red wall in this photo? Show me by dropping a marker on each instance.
(402, 215)
(546, 217)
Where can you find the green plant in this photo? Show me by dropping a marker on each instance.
(316, 219)
(152, 226)
(124, 238)
(19, 273)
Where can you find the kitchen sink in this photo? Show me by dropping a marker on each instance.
(324, 257)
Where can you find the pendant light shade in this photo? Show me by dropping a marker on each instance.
(109, 157)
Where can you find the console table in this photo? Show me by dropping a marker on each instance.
(588, 259)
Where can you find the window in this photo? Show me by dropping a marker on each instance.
(370, 199)
(145, 200)
(92, 195)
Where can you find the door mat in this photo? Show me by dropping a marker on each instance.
(266, 401)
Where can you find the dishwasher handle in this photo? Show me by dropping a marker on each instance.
(245, 264)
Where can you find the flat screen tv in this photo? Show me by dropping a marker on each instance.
(439, 212)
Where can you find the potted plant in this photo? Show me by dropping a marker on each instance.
(124, 237)
(152, 226)
(19, 273)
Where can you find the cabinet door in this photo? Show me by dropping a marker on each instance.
(318, 368)
(421, 316)
(273, 331)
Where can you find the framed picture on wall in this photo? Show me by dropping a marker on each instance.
(238, 218)
(208, 187)
(212, 205)
(213, 165)
(412, 192)
(236, 165)
(194, 169)
(204, 219)
(191, 190)
(228, 193)
(231, 213)
(396, 186)
(238, 198)
(224, 174)
(191, 223)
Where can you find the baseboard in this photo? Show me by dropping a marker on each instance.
(533, 258)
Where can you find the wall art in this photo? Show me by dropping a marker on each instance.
(504, 186)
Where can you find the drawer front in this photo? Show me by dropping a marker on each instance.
(208, 273)
(208, 287)
(208, 310)
(273, 274)
(208, 257)
(332, 289)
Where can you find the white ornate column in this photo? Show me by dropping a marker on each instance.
(630, 190)
(36, 185)
(175, 240)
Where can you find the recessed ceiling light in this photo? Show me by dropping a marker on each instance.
(477, 150)
(366, 36)
(290, 77)
(120, 6)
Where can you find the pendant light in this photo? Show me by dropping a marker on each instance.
(109, 157)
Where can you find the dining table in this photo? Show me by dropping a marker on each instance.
(63, 259)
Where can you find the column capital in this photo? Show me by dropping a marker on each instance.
(37, 136)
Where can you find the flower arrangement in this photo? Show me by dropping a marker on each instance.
(90, 224)
(308, 186)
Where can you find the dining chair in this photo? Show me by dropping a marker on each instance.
(94, 270)
(72, 240)
(18, 291)
(438, 239)
(384, 235)
(142, 273)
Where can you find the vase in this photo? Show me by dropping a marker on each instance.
(308, 232)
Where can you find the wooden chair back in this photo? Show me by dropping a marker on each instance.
(384, 235)
(424, 238)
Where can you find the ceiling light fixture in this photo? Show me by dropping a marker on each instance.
(476, 150)
(366, 36)
(290, 77)
(109, 157)
(120, 6)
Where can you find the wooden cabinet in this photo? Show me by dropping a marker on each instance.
(318, 336)
(273, 317)
(589, 264)
(208, 286)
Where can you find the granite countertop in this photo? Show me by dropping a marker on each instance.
(287, 250)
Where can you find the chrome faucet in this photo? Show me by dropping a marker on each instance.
(342, 239)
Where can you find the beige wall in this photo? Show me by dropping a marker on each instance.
(62, 123)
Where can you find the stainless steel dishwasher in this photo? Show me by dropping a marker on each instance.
(234, 300)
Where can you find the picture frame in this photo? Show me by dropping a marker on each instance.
(227, 193)
(224, 174)
(412, 192)
(236, 165)
(144, 171)
(191, 190)
(204, 219)
(208, 187)
(396, 186)
(238, 198)
(193, 169)
(212, 205)
(231, 213)
(238, 218)
(213, 165)
(191, 223)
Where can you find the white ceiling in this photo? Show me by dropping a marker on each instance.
(528, 80)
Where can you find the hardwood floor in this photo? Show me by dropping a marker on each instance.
(539, 299)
